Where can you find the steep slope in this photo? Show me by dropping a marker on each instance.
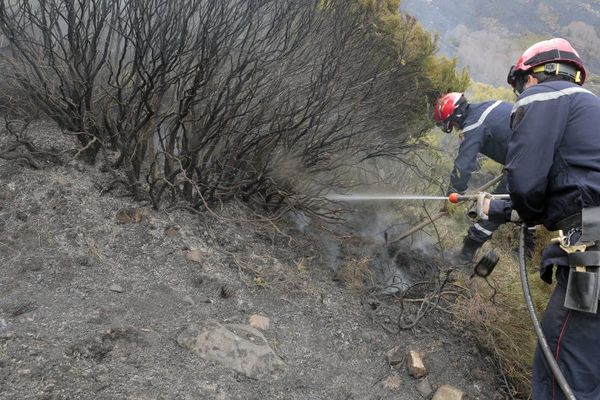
(98, 295)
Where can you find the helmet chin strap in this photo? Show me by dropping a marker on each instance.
(448, 126)
(461, 114)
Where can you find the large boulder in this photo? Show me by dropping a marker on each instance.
(235, 346)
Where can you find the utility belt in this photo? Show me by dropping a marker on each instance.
(578, 236)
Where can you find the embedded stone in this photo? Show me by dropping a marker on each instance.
(259, 322)
(415, 365)
(447, 392)
(241, 348)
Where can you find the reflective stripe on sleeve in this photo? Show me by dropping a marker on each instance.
(482, 230)
(482, 117)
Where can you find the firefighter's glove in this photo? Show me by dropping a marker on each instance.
(476, 211)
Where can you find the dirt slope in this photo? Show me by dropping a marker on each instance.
(95, 289)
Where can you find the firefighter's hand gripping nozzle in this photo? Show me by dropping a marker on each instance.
(476, 210)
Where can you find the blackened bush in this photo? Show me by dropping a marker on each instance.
(209, 100)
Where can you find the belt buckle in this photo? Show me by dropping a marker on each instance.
(564, 241)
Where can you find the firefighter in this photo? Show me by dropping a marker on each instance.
(485, 129)
(553, 173)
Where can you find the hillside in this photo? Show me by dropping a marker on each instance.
(487, 36)
(102, 297)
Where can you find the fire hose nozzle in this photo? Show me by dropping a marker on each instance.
(456, 198)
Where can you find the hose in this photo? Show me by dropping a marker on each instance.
(562, 382)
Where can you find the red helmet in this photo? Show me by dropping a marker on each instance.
(448, 109)
(555, 57)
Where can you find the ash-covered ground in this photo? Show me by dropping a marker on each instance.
(97, 291)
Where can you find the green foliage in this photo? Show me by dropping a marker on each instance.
(410, 45)
(444, 77)
(379, 6)
(478, 91)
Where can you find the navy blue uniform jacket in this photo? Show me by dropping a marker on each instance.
(486, 131)
(553, 159)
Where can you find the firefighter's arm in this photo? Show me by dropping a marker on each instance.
(491, 207)
(500, 210)
(465, 161)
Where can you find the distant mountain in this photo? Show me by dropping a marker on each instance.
(487, 36)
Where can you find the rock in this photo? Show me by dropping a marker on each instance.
(447, 392)
(62, 181)
(195, 255)
(116, 288)
(259, 322)
(392, 383)
(172, 231)
(238, 347)
(414, 363)
(3, 324)
(424, 387)
(129, 216)
(394, 356)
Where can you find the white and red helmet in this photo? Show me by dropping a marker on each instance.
(554, 57)
(449, 109)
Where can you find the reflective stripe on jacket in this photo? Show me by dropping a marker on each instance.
(553, 159)
(486, 131)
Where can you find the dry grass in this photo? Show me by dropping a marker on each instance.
(356, 274)
(497, 314)
(494, 309)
